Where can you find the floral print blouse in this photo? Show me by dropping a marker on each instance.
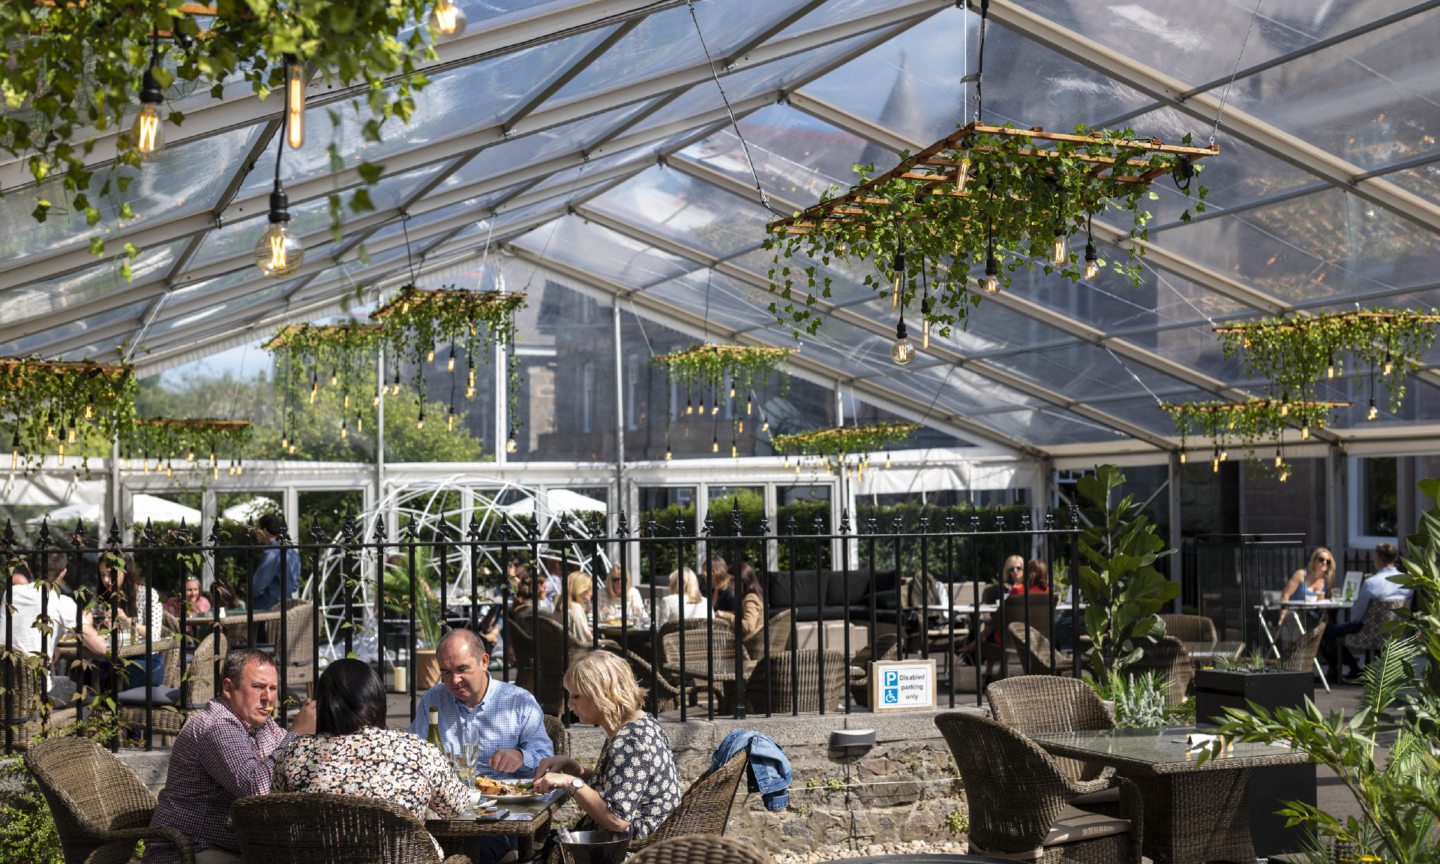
(636, 775)
(387, 764)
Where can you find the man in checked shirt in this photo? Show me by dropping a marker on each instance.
(223, 753)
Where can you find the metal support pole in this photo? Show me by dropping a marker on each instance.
(618, 505)
(1177, 561)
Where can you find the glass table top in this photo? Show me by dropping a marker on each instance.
(1166, 750)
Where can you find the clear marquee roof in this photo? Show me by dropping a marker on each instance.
(589, 138)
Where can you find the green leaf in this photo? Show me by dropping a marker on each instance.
(370, 172)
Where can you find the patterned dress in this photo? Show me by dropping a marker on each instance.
(636, 775)
(387, 764)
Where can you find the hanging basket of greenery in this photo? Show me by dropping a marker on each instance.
(713, 367)
(837, 442)
(1246, 424)
(417, 322)
(1295, 354)
(984, 195)
(51, 407)
(72, 71)
(200, 442)
(311, 356)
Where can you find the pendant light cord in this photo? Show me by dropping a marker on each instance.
(980, 62)
(409, 261)
(1225, 96)
(730, 111)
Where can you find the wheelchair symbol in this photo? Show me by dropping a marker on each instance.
(892, 696)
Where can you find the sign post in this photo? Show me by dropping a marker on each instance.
(902, 685)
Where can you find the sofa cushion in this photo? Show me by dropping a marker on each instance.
(801, 588)
(846, 589)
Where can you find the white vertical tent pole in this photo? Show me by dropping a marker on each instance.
(618, 502)
(1177, 561)
(390, 528)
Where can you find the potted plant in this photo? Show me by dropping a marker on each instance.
(427, 630)
(1398, 787)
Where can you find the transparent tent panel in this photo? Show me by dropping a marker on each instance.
(1051, 426)
(74, 291)
(1423, 181)
(798, 157)
(166, 324)
(727, 304)
(444, 109)
(38, 342)
(1082, 371)
(953, 390)
(598, 250)
(688, 211)
(826, 15)
(776, 76)
(1373, 100)
(180, 181)
(237, 240)
(1326, 245)
(568, 177)
(847, 284)
(667, 41)
(1168, 36)
(494, 163)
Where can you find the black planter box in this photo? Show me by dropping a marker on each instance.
(1216, 690)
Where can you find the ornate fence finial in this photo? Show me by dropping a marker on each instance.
(42, 539)
(737, 518)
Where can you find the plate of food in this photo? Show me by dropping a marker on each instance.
(506, 791)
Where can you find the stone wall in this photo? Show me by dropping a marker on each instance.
(904, 788)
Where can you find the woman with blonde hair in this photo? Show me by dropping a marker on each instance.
(618, 595)
(579, 589)
(635, 784)
(684, 596)
(1315, 580)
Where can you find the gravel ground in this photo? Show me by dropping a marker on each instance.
(846, 850)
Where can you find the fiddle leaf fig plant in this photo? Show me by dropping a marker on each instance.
(1117, 578)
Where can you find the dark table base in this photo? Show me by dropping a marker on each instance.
(1195, 816)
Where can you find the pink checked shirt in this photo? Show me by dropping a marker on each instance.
(216, 759)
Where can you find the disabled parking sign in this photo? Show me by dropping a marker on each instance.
(902, 684)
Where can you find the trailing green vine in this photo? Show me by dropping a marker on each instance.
(1247, 424)
(985, 195)
(50, 407)
(834, 444)
(417, 322)
(713, 366)
(1295, 354)
(310, 356)
(203, 443)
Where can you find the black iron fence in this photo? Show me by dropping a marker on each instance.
(386, 597)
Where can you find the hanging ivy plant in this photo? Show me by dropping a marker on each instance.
(835, 443)
(310, 356)
(417, 322)
(203, 443)
(1247, 424)
(1295, 354)
(985, 195)
(713, 366)
(69, 72)
(51, 407)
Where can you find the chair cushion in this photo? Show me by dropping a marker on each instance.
(1103, 797)
(160, 696)
(1073, 826)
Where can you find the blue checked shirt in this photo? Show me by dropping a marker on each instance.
(508, 717)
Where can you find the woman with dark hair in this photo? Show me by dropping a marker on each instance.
(352, 753)
(752, 605)
(131, 609)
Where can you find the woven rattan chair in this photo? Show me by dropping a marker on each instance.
(24, 704)
(1168, 657)
(1194, 630)
(702, 642)
(886, 647)
(700, 849)
(316, 828)
(781, 686)
(1378, 615)
(1035, 651)
(299, 654)
(1299, 655)
(555, 729)
(174, 701)
(550, 651)
(1020, 801)
(100, 808)
(1040, 704)
(705, 806)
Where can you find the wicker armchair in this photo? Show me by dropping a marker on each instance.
(700, 849)
(886, 647)
(1378, 616)
(299, 653)
(1035, 651)
(1299, 655)
(705, 806)
(25, 706)
(689, 670)
(1038, 704)
(547, 651)
(1168, 657)
(780, 685)
(100, 808)
(316, 828)
(1033, 819)
(1191, 629)
(555, 730)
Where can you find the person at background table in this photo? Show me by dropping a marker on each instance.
(193, 598)
(527, 587)
(619, 592)
(225, 596)
(684, 595)
(352, 753)
(1011, 574)
(579, 591)
(1036, 579)
(752, 606)
(1314, 580)
(225, 751)
(34, 598)
(134, 609)
(265, 589)
(635, 784)
(1378, 587)
(503, 718)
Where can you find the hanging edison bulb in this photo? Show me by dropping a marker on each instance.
(334, 377)
(887, 460)
(344, 430)
(430, 356)
(511, 445)
(1389, 365)
(1279, 458)
(148, 133)
(765, 426)
(740, 427)
(1092, 260)
(450, 364)
(294, 102)
(962, 173)
(898, 280)
(991, 284)
(447, 18)
(1059, 249)
(734, 451)
(714, 445)
(749, 407)
(1373, 412)
(903, 351)
(1304, 433)
(1183, 457)
(1330, 367)
(689, 407)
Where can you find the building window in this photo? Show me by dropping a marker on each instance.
(1379, 497)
